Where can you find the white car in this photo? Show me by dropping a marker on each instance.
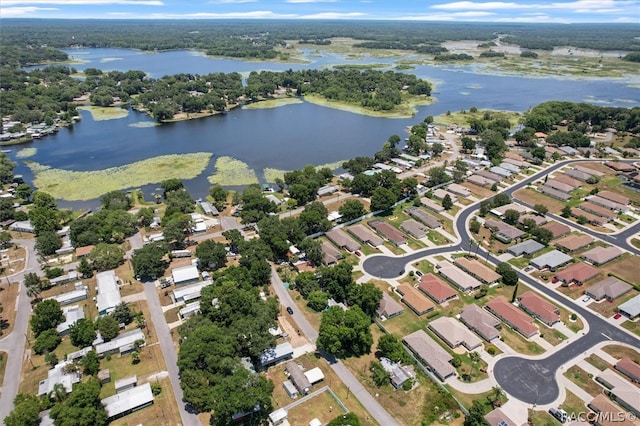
(586, 298)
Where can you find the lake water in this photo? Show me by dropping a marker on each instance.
(287, 137)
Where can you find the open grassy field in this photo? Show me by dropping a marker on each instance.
(406, 109)
(581, 378)
(272, 103)
(105, 113)
(619, 352)
(626, 267)
(572, 404)
(519, 343)
(72, 185)
(541, 417)
(463, 118)
(322, 407)
(632, 326)
(597, 362)
(533, 197)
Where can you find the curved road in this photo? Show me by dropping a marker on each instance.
(529, 380)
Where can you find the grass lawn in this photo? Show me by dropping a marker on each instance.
(424, 266)
(3, 365)
(540, 417)
(533, 197)
(597, 362)
(8, 295)
(632, 326)
(551, 335)
(484, 398)
(519, 343)
(608, 309)
(519, 262)
(151, 362)
(635, 242)
(572, 404)
(626, 268)
(581, 378)
(164, 410)
(437, 238)
(619, 352)
(322, 407)
(172, 315)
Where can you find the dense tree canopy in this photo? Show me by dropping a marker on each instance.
(345, 333)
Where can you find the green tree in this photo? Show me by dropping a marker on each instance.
(176, 228)
(106, 256)
(5, 239)
(26, 411)
(148, 261)
(170, 185)
(352, 209)
(476, 415)
(47, 242)
(33, 283)
(82, 407)
(51, 358)
(437, 176)
(212, 255)
(46, 315)
(510, 277)
(541, 209)
(82, 333)
(367, 296)
(468, 144)
(382, 199)
(566, 211)
(474, 226)
(122, 314)
(446, 202)
(116, 200)
(219, 196)
(108, 327)
(85, 269)
(90, 363)
(348, 419)
(389, 346)
(47, 341)
(379, 375)
(24, 191)
(317, 300)
(313, 250)
(345, 333)
(542, 235)
(511, 216)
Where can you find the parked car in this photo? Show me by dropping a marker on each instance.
(289, 310)
(528, 268)
(617, 316)
(418, 273)
(586, 298)
(357, 253)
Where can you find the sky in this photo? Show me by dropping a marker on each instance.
(539, 11)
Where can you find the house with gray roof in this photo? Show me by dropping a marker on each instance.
(127, 402)
(122, 344)
(504, 173)
(601, 255)
(59, 375)
(560, 186)
(510, 167)
(552, 260)
(547, 190)
(413, 228)
(297, 377)
(630, 308)
(480, 321)
(388, 308)
(365, 235)
(480, 180)
(330, 254)
(424, 217)
(609, 288)
(271, 356)
(430, 353)
(108, 296)
(388, 231)
(569, 150)
(488, 175)
(527, 247)
(431, 205)
(454, 334)
(577, 174)
(342, 239)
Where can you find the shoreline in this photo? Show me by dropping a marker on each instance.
(409, 105)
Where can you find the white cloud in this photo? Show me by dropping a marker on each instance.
(84, 2)
(334, 15)
(257, 14)
(15, 12)
(232, 1)
(469, 5)
(310, 1)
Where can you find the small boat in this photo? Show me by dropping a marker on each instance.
(6, 150)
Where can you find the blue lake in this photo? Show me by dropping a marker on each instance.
(287, 137)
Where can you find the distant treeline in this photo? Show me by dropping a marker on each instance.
(44, 94)
(268, 39)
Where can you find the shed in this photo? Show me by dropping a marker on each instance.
(314, 375)
(290, 389)
(126, 383)
(297, 377)
(104, 376)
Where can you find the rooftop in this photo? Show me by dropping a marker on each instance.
(481, 321)
(108, 292)
(600, 255)
(578, 272)
(414, 299)
(185, 274)
(460, 278)
(120, 403)
(557, 229)
(454, 333)
(552, 260)
(546, 310)
(512, 316)
(526, 247)
(614, 196)
(341, 239)
(431, 352)
(478, 270)
(574, 242)
(631, 307)
(365, 235)
(388, 306)
(435, 288)
(610, 287)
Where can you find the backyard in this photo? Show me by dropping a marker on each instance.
(584, 380)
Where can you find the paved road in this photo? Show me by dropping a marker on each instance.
(13, 344)
(531, 381)
(355, 387)
(168, 351)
